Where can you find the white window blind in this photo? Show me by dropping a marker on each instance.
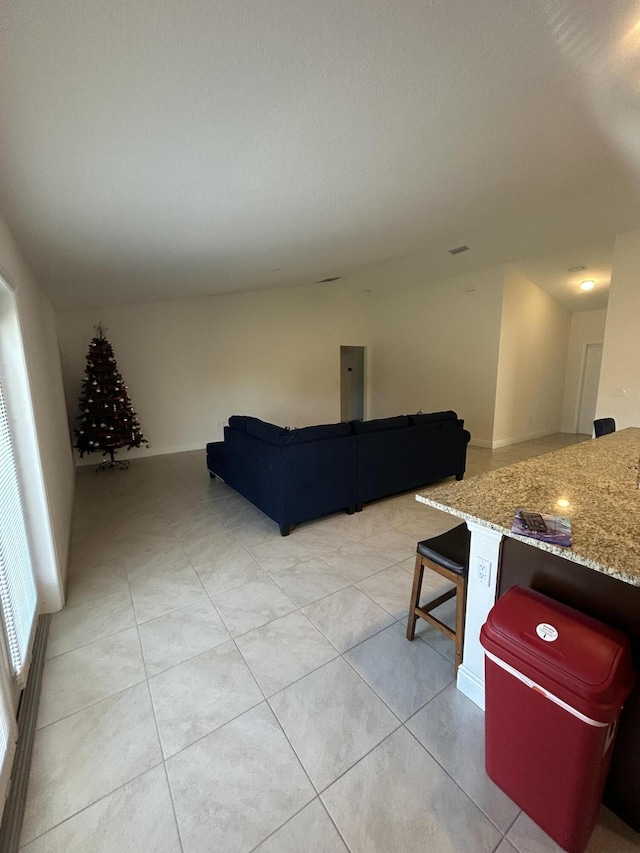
(17, 588)
(8, 732)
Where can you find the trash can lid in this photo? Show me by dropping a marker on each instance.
(584, 662)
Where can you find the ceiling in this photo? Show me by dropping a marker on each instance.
(160, 149)
(556, 271)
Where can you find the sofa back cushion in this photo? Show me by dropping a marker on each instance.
(379, 425)
(315, 433)
(284, 437)
(238, 422)
(432, 418)
(264, 431)
(241, 422)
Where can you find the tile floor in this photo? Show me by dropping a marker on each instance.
(214, 687)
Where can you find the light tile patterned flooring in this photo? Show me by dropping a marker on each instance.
(213, 687)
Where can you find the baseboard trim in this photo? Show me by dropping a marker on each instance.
(27, 714)
(139, 453)
(472, 686)
(481, 442)
(516, 439)
(504, 442)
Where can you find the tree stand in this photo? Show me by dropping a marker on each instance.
(111, 463)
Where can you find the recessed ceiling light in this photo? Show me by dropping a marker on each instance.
(587, 285)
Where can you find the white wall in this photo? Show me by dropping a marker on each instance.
(434, 343)
(190, 364)
(587, 327)
(621, 352)
(29, 350)
(534, 338)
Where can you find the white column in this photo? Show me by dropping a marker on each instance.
(485, 545)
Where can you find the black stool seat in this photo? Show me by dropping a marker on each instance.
(448, 556)
(604, 426)
(450, 549)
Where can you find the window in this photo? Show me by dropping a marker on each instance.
(18, 597)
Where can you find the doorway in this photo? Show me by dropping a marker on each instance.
(352, 383)
(589, 389)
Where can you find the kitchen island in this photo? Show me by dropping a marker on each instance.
(595, 484)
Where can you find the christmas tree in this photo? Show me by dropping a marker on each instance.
(107, 419)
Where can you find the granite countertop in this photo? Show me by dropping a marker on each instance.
(599, 478)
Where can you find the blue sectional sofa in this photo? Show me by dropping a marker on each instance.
(300, 474)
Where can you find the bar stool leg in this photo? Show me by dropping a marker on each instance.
(461, 607)
(415, 597)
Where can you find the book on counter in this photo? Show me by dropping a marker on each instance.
(554, 529)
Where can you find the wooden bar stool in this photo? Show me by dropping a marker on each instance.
(448, 556)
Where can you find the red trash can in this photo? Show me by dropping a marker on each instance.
(555, 683)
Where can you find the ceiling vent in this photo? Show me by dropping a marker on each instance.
(576, 269)
(331, 278)
(458, 250)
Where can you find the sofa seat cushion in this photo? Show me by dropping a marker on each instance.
(379, 425)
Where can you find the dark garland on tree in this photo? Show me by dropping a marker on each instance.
(107, 419)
